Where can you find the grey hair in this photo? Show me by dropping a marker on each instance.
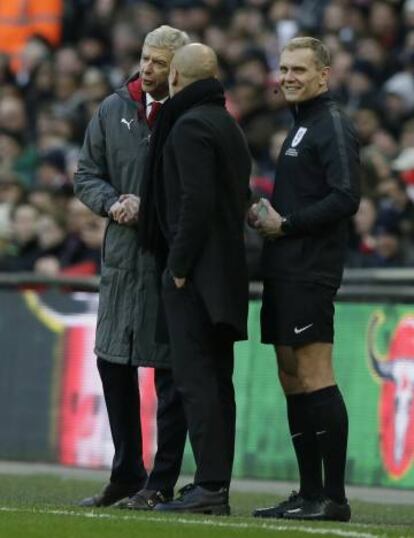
(166, 37)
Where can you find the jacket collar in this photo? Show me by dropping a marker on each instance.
(132, 92)
(135, 90)
(301, 110)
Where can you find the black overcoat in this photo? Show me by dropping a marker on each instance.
(202, 200)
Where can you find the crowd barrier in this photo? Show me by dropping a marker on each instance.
(52, 408)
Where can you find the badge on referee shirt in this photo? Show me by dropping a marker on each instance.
(298, 136)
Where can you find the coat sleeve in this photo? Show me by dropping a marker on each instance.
(91, 181)
(338, 150)
(194, 152)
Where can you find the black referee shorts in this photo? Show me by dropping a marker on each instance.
(297, 313)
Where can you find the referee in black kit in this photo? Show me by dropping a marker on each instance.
(316, 191)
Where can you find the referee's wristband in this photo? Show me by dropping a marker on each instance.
(286, 225)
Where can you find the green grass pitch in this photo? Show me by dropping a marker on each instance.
(39, 506)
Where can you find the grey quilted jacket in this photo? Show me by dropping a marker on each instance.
(111, 163)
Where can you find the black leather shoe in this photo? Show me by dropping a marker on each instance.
(145, 499)
(324, 510)
(295, 500)
(198, 500)
(110, 495)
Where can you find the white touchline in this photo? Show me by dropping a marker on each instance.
(213, 522)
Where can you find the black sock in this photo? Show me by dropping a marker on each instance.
(329, 419)
(306, 447)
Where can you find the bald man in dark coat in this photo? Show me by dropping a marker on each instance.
(200, 177)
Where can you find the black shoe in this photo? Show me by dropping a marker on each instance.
(145, 499)
(198, 500)
(295, 500)
(324, 510)
(110, 495)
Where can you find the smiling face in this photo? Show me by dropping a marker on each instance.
(301, 77)
(154, 69)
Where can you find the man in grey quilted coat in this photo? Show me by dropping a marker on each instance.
(108, 178)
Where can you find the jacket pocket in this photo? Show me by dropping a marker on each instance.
(121, 246)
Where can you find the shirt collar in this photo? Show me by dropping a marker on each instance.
(150, 99)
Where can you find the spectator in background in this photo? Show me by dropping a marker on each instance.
(6, 75)
(403, 164)
(16, 156)
(51, 171)
(95, 87)
(51, 238)
(12, 193)
(12, 190)
(13, 115)
(91, 233)
(388, 248)
(34, 52)
(85, 231)
(42, 198)
(54, 242)
(367, 123)
(22, 250)
(39, 92)
(21, 20)
(396, 212)
(362, 243)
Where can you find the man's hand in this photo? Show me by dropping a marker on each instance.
(130, 204)
(115, 211)
(265, 219)
(179, 282)
(126, 209)
(252, 217)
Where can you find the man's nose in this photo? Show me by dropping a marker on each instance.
(147, 67)
(289, 75)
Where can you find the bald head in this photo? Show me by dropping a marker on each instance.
(191, 63)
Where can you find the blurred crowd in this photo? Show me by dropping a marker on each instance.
(50, 88)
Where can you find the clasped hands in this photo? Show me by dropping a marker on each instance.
(126, 209)
(265, 219)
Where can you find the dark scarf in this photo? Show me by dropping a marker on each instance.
(201, 92)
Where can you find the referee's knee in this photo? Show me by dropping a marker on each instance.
(290, 383)
(310, 382)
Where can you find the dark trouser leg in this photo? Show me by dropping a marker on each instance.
(225, 365)
(120, 387)
(306, 446)
(197, 356)
(171, 434)
(330, 422)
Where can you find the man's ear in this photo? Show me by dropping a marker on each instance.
(173, 76)
(325, 71)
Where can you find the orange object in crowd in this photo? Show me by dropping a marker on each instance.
(21, 19)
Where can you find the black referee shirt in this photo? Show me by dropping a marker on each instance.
(317, 189)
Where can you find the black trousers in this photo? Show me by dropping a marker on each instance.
(202, 360)
(121, 392)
